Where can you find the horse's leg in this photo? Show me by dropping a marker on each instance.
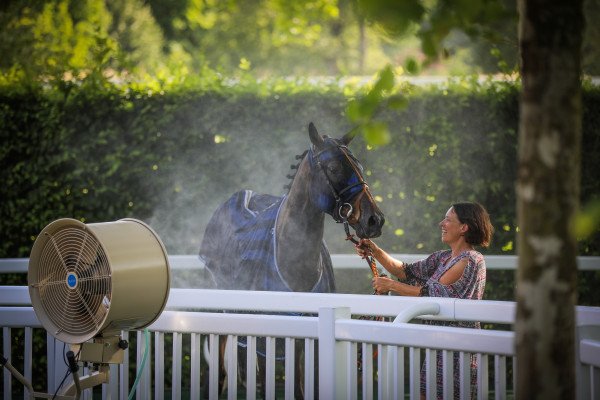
(222, 369)
(299, 371)
(242, 365)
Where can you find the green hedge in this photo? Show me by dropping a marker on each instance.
(171, 157)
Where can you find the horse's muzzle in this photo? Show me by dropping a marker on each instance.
(374, 225)
(369, 225)
(369, 219)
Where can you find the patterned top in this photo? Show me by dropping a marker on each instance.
(469, 286)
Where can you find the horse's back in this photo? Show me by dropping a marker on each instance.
(238, 248)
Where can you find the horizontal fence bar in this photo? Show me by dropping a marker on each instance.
(589, 352)
(309, 303)
(14, 296)
(340, 261)
(426, 336)
(236, 324)
(502, 312)
(18, 317)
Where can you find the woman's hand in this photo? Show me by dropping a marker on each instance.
(362, 248)
(382, 284)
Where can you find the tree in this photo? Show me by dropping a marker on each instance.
(550, 41)
(54, 40)
(46, 39)
(139, 36)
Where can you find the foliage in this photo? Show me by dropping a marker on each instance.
(169, 151)
(437, 20)
(67, 38)
(140, 40)
(44, 39)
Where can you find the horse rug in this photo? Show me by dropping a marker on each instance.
(238, 249)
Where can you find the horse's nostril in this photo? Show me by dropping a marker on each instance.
(376, 222)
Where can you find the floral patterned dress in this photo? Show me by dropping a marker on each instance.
(470, 285)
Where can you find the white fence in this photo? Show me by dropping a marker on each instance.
(394, 373)
(340, 261)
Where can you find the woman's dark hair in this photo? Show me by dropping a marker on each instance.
(477, 219)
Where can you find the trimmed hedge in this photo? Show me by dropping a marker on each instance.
(170, 158)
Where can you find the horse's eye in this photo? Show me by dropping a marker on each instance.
(335, 168)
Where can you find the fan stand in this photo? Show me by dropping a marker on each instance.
(74, 388)
(103, 351)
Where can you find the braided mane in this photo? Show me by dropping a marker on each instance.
(294, 167)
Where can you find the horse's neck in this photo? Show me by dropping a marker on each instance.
(300, 227)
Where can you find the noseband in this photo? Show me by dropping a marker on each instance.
(343, 196)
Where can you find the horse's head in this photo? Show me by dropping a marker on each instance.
(338, 187)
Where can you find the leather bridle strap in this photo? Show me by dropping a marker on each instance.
(338, 195)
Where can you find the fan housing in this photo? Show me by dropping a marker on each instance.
(92, 280)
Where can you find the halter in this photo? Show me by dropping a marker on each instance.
(343, 196)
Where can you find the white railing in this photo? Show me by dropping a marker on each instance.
(340, 261)
(400, 345)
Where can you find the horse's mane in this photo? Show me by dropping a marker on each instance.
(295, 168)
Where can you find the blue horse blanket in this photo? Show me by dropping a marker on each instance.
(238, 248)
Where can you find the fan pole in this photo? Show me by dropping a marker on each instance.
(16, 374)
(102, 375)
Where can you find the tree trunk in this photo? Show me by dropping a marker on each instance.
(550, 39)
(362, 45)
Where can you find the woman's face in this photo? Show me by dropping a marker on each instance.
(452, 229)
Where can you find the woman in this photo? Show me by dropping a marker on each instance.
(456, 273)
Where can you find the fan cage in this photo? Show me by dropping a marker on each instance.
(74, 281)
(87, 281)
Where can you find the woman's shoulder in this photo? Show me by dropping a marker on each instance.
(475, 257)
(437, 255)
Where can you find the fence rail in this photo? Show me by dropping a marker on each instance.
(340, 261)
(389, 353)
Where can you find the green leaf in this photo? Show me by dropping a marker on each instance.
(588, 220)
(353, 111)
(386, 78)
(377, 134)
(411, 65)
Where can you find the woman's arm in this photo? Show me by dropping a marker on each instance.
(394, 266)
(384, 285)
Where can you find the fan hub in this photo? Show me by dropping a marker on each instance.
(71, 280)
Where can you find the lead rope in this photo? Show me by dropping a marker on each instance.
(373, 266)
(370, 258)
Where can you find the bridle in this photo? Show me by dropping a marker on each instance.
(340, 202)
(339, 196)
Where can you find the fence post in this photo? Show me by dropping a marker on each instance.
(333, 358)
(587, 382)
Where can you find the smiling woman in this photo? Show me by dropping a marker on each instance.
(456, 273)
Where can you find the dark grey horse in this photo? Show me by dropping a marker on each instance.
(263, 242)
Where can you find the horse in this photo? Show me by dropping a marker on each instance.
(259, 241)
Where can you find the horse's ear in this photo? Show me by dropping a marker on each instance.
(349, 136)
(315, 136)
